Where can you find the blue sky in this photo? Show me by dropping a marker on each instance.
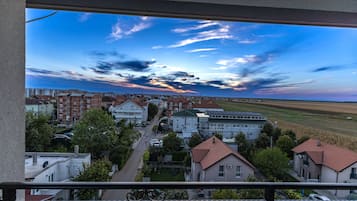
(139, 54)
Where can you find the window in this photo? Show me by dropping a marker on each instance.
(238, 173)
(221, 171)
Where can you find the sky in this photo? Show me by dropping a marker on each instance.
(141, 54)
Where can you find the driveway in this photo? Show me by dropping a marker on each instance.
(130, 169)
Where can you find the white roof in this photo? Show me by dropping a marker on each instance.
(202, 115)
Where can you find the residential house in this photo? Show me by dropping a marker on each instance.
(213, 160)
(185, 123)
(177, 104)
(43, 167)
(315, 160)
(38, 106)
(132, 111)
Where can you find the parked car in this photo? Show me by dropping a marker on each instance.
(318, 197)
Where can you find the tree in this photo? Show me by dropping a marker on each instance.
(263, 141)
(171, 142)
(272, 162)
(152, 111)
(38, 132)
(243, 145)
(225, 194)
(194, 140)
(303, 139)
(285, 143)
(276, 134)
(95, 133)
(291, 134)
(268, 129)
(97, 171)
(219, 136)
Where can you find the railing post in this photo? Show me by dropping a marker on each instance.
(9, 194)
(269, 194)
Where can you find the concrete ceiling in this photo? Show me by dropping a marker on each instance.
(320, 5)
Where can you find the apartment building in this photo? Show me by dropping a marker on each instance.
(319, 161)
(177, 104)
(227, 123)
(72, 106)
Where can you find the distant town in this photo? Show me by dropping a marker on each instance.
(141, 137)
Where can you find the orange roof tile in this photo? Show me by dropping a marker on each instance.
(213, 150)
(334, 157)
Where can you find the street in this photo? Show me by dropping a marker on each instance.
(130, 169)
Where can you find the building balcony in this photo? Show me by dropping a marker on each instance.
(158, 190)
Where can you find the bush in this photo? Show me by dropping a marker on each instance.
(291, 194)
(225, 194)
(179, 156)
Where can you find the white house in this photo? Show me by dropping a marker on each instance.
(185, 120)
(39, 107)
(318, 161)
(213, 160)
(45, 167)
(132, 111)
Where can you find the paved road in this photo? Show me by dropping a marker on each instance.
(130, 169)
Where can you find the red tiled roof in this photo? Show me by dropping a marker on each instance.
(213, 150)
(334, 157)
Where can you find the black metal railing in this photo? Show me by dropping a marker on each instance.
(9, 188)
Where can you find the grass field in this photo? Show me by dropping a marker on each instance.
(329, 123)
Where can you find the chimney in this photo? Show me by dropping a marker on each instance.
(34, 159)
(76, 149)
(214, 140)
(318, 143)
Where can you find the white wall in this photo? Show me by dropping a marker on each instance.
(12, 91)
(180, 123)
(129, 111)
(229, 130)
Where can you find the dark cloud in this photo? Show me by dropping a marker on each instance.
(327, 68)
(251, 70)
(42, 71)
(182, 74)
(215, 82)
(102, 54)
(72, 73)
(105, 67)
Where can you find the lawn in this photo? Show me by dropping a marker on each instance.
(167, 174)
(330, 127)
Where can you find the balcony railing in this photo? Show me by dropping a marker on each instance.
(150, 188)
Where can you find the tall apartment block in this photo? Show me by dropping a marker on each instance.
(71, 106)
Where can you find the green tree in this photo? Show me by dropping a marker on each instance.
(97, 171)
(152, 111)
(171, 142)
(272, 162)
(285, 143)
(276, 134)
(194, 140)
(263, 141)
(291, 134)
(219, 136)
(95, 133)
(38, 132)
(225, 194)
(303, 139)
(243, 145)
(268, 129)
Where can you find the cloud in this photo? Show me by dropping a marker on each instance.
(84, 17)
(201, 25)
(327, 68)
(201, 50)
(247, 41)
(237, 61)
(37, 71)
(156, 47)
(106, 67)
(120, 31)
(220, 31)
(103, 54)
